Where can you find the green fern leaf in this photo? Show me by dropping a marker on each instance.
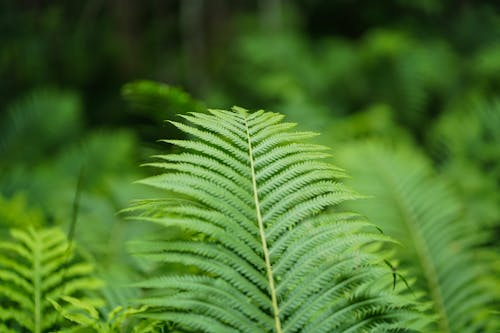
(268, 251)
(35, 268)
(441, 246)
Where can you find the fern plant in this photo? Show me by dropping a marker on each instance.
(35, 268)
(441, 245)
(267, 250)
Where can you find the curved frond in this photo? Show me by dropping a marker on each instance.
(268, 250)
(440, 245)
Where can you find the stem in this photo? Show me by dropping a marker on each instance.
(269, 270)
(37, 282)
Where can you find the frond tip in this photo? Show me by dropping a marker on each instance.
(267, 250)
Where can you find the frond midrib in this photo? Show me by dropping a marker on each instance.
(37, 281)
(269, 271)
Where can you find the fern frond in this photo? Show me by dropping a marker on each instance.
(441, 247)
(267, 251)
(34, 268)
(87, 317)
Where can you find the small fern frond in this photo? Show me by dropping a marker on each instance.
(87, 317)
(35, 268)
(265, 249)
(441, 246)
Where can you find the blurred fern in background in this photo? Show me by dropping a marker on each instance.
(440, 243)
(35, 268)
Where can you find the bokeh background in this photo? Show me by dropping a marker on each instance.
(86, 86)
(303, 57)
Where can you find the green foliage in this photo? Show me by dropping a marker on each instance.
(470, 132)
(388, 70)
(407, 73)
(108, 162)
(37, 266)
(313, 80)
(485, 65)
(441, 245)
(153, 102)
(375, 122)
(269, 251)
(87, 317)
(46, 116)
(158, 99)
(466, 141)
(16, 213)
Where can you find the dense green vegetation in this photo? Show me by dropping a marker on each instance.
(250, 224)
